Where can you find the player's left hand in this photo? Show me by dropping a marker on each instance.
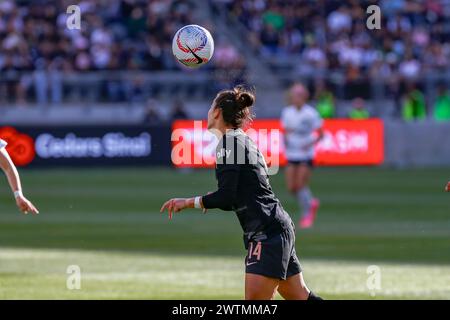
(25, 205)
(174, 205)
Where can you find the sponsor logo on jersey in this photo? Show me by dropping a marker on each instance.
(223, 153)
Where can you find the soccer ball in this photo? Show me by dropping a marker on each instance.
(193, 46)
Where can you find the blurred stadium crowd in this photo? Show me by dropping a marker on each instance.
(325, 37)
(115, 35)
(333, 35)
(305, 39)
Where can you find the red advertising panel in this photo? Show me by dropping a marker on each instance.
(351, 142)
(345, 142)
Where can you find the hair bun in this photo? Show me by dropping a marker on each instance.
(245, 99)
(235, 105)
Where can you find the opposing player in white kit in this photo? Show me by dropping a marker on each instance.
(10, 170)
(303, 129)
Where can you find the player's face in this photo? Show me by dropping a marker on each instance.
(299, 95)
(213, 116)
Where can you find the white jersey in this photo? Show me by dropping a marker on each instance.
(2, 144)
(300, 125)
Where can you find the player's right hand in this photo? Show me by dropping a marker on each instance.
(174, 205)
(25, 205)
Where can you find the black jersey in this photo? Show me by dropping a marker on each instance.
(243, 187)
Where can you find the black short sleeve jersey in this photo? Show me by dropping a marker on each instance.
(243, 186)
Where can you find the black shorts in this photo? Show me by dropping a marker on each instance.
(308, 162)
(274, 257)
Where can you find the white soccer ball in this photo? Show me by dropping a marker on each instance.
(193, 46)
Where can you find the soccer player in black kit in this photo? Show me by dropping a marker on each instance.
(243, 186)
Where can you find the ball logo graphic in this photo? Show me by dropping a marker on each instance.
(20, 146)
(193, 46)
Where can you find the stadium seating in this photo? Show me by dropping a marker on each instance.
(322, 43)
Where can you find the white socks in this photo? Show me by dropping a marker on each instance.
(304, 198)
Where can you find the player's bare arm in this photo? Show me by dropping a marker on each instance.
(13, 177)
(315, 140)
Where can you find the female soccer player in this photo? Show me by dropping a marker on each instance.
(10, 170)
(300, 122)
(243, 187)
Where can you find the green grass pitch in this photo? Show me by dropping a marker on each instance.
(107, 222)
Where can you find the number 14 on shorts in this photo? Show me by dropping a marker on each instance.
(254, 253)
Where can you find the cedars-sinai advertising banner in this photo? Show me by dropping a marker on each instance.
(345, 142)
(87, 145)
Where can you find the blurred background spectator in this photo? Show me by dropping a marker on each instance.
(151, 115)
(358, 110)
(324, 99)
(414, 107)
(442, 105)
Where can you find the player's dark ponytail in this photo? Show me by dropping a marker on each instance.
(235, 105)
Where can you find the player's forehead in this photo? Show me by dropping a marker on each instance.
(298, 89)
